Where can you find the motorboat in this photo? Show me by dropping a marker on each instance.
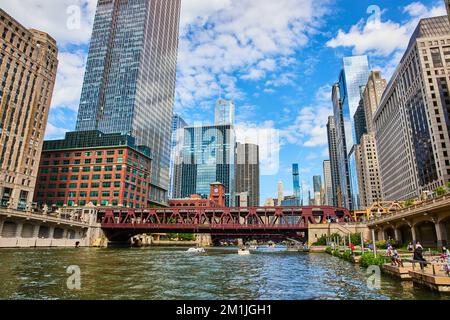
(243, 252)
(196, 250)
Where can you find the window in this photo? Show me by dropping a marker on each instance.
(99, 153)
(95, 185)
(86, 169)
(109, 160)
(106, 184)
(96, 177)
(106, 194)
(87, 161)
(85, 177)
(94, 194)
(110, 153)
(107, 176)
(97, 169)
(98, 160)
(84, 185)
(73, 185)
(83, 194)
(87, 154)
(108, 168)
(75, 169)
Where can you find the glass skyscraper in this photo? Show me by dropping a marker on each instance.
(208, 156)
(178, 125)
(296, 181)
(129, 85)
(346, 98)
(224, 112)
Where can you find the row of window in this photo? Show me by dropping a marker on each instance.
(115, 203)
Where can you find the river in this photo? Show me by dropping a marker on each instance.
(171, 273)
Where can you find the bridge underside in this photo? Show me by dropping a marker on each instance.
(121, 225)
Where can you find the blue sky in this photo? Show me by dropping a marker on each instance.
(276, 59)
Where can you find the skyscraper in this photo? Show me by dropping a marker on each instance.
(296, 183)
(346, 98)
(224, 112)
(359, 120)
(317, 183)
(412, 122)
(372, 94)
(178, 125)
(129, 84)
(280, 192)
(334, 162)
(208, 156)
(28, 64)
(328, 183)
(247, 172)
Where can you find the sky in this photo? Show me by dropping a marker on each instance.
(276, 59)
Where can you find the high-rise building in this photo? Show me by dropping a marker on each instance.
(28, 64)
(334, 162)
(317, 183)
(412, 122)
(208, 156)
(93, 167)
(328, 183)
(247, 172)
(129, 84)
(447, 4)
(372, 95)
(370, 169)
(178, 125)
(346, 98)
(359, 120)
(224, 112)
(280, 193)
(296, 183)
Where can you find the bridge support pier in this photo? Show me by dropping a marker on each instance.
(51, 232)
(441, 234)
(1, 227)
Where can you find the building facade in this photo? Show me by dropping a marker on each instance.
(247, 172)
(370, 171)
(328, 183)
(129, 84)
(216, 198)
(224, 112)
(208, 156)
(372, 95)
(346, 98)
(317, 183)
(412, 122)
(92, 167)
(359, 119)
(28, 66)
(334, 162)
(178, 125)
(296, 183)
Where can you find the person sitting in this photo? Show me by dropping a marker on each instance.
(410, 247)
(396, 260)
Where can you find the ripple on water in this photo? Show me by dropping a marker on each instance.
(162, 273)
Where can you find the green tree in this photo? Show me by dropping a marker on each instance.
(440, 191)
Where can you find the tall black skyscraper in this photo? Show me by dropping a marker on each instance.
(129, 85)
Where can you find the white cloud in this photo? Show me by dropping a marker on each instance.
(69, 80)
(231, 37)
(56, 17)
(52, 132)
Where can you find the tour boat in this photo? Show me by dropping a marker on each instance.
(244, 252)
(196, 250)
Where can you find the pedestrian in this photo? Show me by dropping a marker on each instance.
(410, 247)
(396, 260)
(418, 257)
(418, 245)
(389, 251)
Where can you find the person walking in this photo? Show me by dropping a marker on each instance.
(418, 257)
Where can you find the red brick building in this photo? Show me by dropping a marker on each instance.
(216, 198)
(104, 169)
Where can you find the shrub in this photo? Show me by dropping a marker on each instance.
(329, 250)
(368, 259)
(440, 191)
(347, 255)
(383, 244)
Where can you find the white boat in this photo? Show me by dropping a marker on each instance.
(243, 252)
(196, 250)
(270, 248)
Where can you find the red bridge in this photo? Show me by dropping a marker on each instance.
(122, 224)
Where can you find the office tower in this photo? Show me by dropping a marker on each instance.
(334, 162)
(317, 183)
(208, 156)
(280, 192)
(372, 95)
(247, 172)
(296, 183)
(93, 167)
(412, 123)
(224, 112)
(370, 169)
(290, 201)
(346, 98)
(360, 122)
(129, 84)
(178, 125)
(328, 183)
(447, 4)
(269, 203)
(28, 64)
